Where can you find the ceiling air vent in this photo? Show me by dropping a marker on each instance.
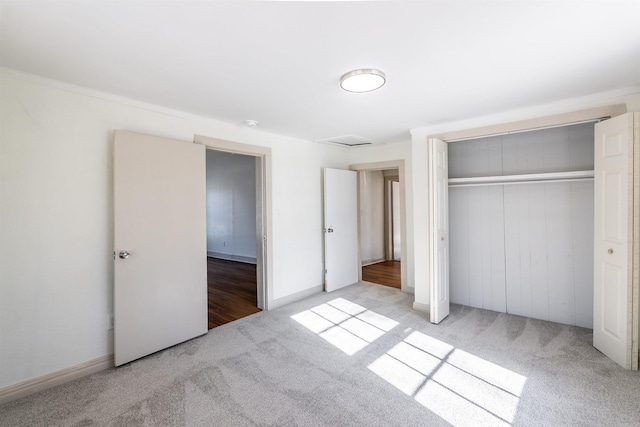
(346, 141)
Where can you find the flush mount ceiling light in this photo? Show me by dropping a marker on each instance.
(362, 80)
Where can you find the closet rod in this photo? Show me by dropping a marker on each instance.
(544, 181)
(530, 178)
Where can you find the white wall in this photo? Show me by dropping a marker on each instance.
(372, 217)
(231, 206)
(56, 222)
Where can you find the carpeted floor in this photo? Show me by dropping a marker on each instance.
(355, 357)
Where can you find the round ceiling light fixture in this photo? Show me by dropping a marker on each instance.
(363, 80)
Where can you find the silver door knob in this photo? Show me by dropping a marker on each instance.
(124, 254)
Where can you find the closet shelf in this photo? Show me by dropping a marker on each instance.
(531, 178)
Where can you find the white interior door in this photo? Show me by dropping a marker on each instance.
(160, 273)
(340, 228)
(613, 191)
(438, 230)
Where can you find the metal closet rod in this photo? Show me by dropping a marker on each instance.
(527, 130)
(545, 181)
(530, 178)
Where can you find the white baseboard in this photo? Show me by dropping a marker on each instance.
(296, 297)
(372, 261)
(35, 385)
(418, 306)
(230, 257)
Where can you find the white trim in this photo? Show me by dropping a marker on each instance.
(593, 101)
(555, 120)
(35, 385)
(418, 306)
(296, 297)
(231, 257)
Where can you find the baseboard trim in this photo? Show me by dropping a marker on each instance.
(35, 385)
(372, 261)
(230, 257)
(296, 297)
(418, 306)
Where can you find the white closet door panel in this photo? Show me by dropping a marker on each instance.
(582, 229)
(560, 253)
(459, 244)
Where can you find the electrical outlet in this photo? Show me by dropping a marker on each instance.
(110, 322)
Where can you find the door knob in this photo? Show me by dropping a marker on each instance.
(124, 254)
(609, 251)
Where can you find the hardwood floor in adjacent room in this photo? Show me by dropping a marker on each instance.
(383, 273)
(232, 291)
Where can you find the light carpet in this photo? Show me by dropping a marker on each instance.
(359, 356)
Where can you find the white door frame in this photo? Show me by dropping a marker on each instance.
(264, 226)
(380, 166)
(551, 121)
(389, 218)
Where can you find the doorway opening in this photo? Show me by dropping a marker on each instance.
(245, 273)
(232, 288)
(380, 239)
(382, 223)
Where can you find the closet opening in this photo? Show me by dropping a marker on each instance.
(521, 223)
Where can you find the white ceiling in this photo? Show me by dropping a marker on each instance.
(280, 62)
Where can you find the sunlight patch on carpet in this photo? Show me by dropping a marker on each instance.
(463, 389)
(346, 325)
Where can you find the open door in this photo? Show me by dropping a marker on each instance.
(614, 332)
(340, 228)
(160, 272)
(438, 230)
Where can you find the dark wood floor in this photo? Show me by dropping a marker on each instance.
(383, 273)
(232, 291)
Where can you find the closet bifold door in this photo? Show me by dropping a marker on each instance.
(616, 239)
